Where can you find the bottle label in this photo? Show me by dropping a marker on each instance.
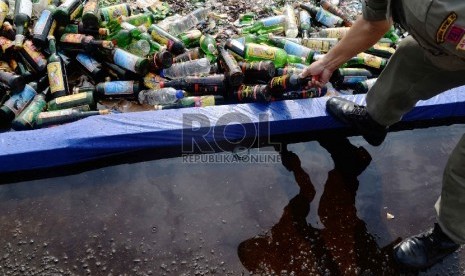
(55, 113)
(244, 92)
(317, 45)
(88, 62)
(25, 7)
(273, 21)
(204, 101)
(5, 43)
(53, 27)
(70, 98)
(72, 38)
(158, 38)
(42, 22)
(76, 13)
(55, 77)
(125, 59)
(36, 56)
(326, 18)
(336, 32)
(119, 88)
(114, 12)
(371, 60)
(353, 79)
(18, 102)
(152, 80)
(297, 50)
(279, 82)
(261, 51)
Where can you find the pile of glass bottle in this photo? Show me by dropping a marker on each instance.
(128, 53)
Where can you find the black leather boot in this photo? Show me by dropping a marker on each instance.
(422, 251)
(357, 116)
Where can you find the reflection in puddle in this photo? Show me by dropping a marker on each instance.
(343, 246)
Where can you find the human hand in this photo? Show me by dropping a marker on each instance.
(320, 73)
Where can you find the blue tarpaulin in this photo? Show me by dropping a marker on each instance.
(100, 136)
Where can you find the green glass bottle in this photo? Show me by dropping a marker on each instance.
(56, 72)
(256, 52)
(81, 42)
(191, 38)
(90, 14)
(16, 104)
(130, 61)
(172, 43)
(59, 117)
(22, 16)
(145, 19)
(67, 11)
(74, 100)
(118, 90)
(195, 101)
(154, 46)
(364, 59)
(208, 46)
(293, 48)
(26, 119)
(114, 12)
(121, 39)
(265, 24)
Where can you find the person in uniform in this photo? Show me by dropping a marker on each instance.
(427, 62)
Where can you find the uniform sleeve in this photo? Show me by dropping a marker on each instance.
(375, 10)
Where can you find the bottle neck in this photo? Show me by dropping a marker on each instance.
(52, 46)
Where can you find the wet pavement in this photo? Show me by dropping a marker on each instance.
(313, 209)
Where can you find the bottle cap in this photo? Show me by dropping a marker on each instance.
(180, 94)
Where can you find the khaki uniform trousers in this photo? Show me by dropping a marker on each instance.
(414, 74)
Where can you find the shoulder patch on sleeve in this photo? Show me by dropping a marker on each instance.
(455, 34)
(445, 25)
